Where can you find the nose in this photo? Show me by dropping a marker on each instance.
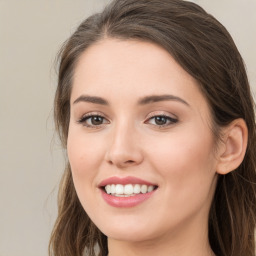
(124, 149)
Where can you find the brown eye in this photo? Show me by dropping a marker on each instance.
(93, 121)
(162, 120)
(96, 120)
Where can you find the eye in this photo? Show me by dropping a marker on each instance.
(93, 121)
(161, 120)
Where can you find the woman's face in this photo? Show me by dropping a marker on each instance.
(138, 118)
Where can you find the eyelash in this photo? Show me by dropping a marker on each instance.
(167, 118)
(89, 116)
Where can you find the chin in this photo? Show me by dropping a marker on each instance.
(127, 231)
(128, 236)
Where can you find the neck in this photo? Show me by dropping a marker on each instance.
(152, 249)
(149, 249)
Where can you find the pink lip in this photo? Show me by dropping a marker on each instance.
(124, 181)
(125, 201)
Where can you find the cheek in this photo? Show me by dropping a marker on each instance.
(185, 162)
(186, 152)
(83, 152)
(186, 165)
(84, 156)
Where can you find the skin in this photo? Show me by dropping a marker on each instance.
(180, 157)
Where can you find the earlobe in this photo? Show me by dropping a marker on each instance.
(234, 146)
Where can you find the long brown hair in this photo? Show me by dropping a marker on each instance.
(204, 48)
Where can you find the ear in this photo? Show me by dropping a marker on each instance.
(233, 147)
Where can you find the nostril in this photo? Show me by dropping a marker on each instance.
(110, 162)
(129, 161)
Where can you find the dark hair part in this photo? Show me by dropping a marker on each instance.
(202, 47)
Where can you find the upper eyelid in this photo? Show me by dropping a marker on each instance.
(161, 113)
(85, 117)
(172, 119)
(94, 113)
(148, 116)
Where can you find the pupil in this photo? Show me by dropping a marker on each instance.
(97, 120)
(160, 120)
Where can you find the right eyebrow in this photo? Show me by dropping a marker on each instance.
(91, 99)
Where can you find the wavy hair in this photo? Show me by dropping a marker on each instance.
(202, 47)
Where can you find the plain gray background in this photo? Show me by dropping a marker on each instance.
(31, 159)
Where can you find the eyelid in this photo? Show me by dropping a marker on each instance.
(94, 113)
(173, 119)
(161, 113)
(91, 114)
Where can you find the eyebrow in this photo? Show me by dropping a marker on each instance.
(157, 98)
(91, 99)
(142, 101)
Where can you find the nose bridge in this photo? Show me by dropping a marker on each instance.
(123, 149)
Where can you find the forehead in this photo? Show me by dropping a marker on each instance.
(129, 68)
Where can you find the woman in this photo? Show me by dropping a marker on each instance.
(154, 107)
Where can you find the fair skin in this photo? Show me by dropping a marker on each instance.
(116, 130)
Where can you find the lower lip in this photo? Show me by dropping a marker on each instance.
(130, 201)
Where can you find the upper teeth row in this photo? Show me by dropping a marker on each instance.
(128, 189)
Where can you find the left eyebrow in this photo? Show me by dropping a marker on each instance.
(157, 98)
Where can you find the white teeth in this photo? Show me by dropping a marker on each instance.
(127, 190)
(144, 189)
(108, 189)
(150, 188)
(119, 189)
(136, 189)
(113, 188)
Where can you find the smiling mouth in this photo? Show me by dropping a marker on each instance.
(128, 190)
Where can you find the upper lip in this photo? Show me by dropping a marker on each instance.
(124, 181)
